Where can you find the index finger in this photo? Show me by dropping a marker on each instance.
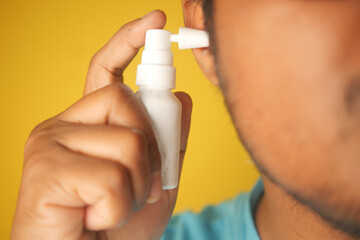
(115, 104)
(109, 62)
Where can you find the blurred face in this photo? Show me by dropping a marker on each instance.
(290, 74)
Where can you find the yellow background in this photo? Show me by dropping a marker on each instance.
(45, 48)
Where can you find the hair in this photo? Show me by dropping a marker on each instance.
(207, 7)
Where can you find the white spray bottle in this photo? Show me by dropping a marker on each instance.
(155, 78)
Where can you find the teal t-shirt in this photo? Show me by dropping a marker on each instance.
(233, 219)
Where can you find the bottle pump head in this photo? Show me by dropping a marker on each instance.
(156, 68)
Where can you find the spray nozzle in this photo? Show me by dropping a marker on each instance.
(190, 38)
(158, 39)
(157, 59)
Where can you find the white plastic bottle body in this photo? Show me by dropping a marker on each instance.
(156, 77)
(164, 110)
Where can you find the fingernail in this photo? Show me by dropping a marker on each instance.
(156, 188)
(148, 14)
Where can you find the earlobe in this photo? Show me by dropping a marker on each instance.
(194, 18)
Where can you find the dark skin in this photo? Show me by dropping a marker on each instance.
(289, 73)
(92, 171)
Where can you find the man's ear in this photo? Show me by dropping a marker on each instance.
(194, 18)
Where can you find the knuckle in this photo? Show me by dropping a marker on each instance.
(99, 60)
(39, 157)
(36, 166)
(119, 93)
(118, 178)
(121, 217)
(36, 134)
(119, 189)
(94, 58)
(137, 145)
(137, 139)
(117, 218)
(39, 152)
(116, 90)
(40, 133)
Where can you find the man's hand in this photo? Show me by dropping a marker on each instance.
(96, 166)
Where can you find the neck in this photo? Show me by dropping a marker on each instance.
(280, 216)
